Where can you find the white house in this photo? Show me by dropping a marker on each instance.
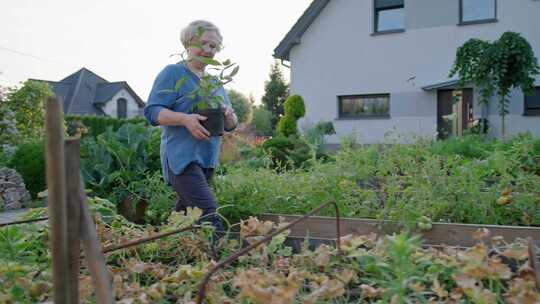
(86, 93)
(373, 66)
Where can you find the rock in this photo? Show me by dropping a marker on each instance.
(13, 193)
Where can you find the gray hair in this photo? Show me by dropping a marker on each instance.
(192, 29)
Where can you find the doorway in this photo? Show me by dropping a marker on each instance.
(454, 112)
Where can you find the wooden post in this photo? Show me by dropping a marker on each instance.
(56, 181)
(72, 162)
(94, 254)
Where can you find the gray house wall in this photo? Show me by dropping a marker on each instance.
(338, 55)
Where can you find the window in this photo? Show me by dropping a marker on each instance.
(389, 16)
(364, 106)
(532, 103)
(121, 108)
(478, 11)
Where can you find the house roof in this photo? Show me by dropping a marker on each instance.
(451, 84)
(299, 28)
(84, 92)
(105, 91)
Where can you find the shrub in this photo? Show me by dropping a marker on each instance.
(29, 161)
(294, 110)
(286, 152)
(98, 124)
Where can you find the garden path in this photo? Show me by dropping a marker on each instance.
(11, 215)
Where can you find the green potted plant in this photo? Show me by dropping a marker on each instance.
(209, 104)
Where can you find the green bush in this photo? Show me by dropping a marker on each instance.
(294, 106)
(294, 110)
(29, 161)
(98, 124)
(470, 146)
(286, 152)
(287, 126)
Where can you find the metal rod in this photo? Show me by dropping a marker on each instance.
(146, 239)
(202, 289)
(24, 222)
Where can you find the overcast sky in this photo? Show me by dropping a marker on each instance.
(132, 40)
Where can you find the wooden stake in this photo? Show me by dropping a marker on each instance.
(93, 253)
(72, 157)
(56, 183)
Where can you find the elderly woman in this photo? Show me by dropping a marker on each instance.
(188, 153)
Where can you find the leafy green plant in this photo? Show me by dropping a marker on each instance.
(496, 67)
(29, 161)
(117, 164)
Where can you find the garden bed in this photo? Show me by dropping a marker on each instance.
(461, 235)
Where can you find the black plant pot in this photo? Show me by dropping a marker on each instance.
(214, 123)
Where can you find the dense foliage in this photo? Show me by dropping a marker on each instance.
(96, 125)
(496, 67)
(444, 181)
(241, 104)
(262, 121)
(22, 112)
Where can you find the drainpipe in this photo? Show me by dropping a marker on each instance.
(283, 64)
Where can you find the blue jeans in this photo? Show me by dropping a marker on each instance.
(193, 190)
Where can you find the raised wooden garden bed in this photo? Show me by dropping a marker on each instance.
(460, 235)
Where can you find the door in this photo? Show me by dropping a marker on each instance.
(454, 112)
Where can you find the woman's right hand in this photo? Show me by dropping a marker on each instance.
(192, 123)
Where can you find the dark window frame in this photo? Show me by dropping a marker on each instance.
(376, 19)
(342, 116)
(531, 111)
(124, 101)
(479, 21)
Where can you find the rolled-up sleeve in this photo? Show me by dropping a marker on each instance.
(162, 94)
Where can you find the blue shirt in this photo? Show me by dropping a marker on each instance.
(178, 148)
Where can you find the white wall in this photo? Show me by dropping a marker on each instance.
(339, 56)
(110, 107)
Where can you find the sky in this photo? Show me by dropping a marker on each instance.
(133, 40)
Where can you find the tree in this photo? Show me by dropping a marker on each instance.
(8, 128)
(241, 105)
(497, 67)
(262, 120)
(276, 90)
(27, 103)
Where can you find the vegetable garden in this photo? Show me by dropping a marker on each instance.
(465, 180)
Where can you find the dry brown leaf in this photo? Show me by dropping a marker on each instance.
(516, 253)
(481, 234)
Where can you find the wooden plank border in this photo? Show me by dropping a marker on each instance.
(441, 234)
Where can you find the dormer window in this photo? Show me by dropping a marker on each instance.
(121, 108)
(389, 16)
(477, 11)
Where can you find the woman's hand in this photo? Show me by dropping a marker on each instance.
(230, 118)
(192, 123)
